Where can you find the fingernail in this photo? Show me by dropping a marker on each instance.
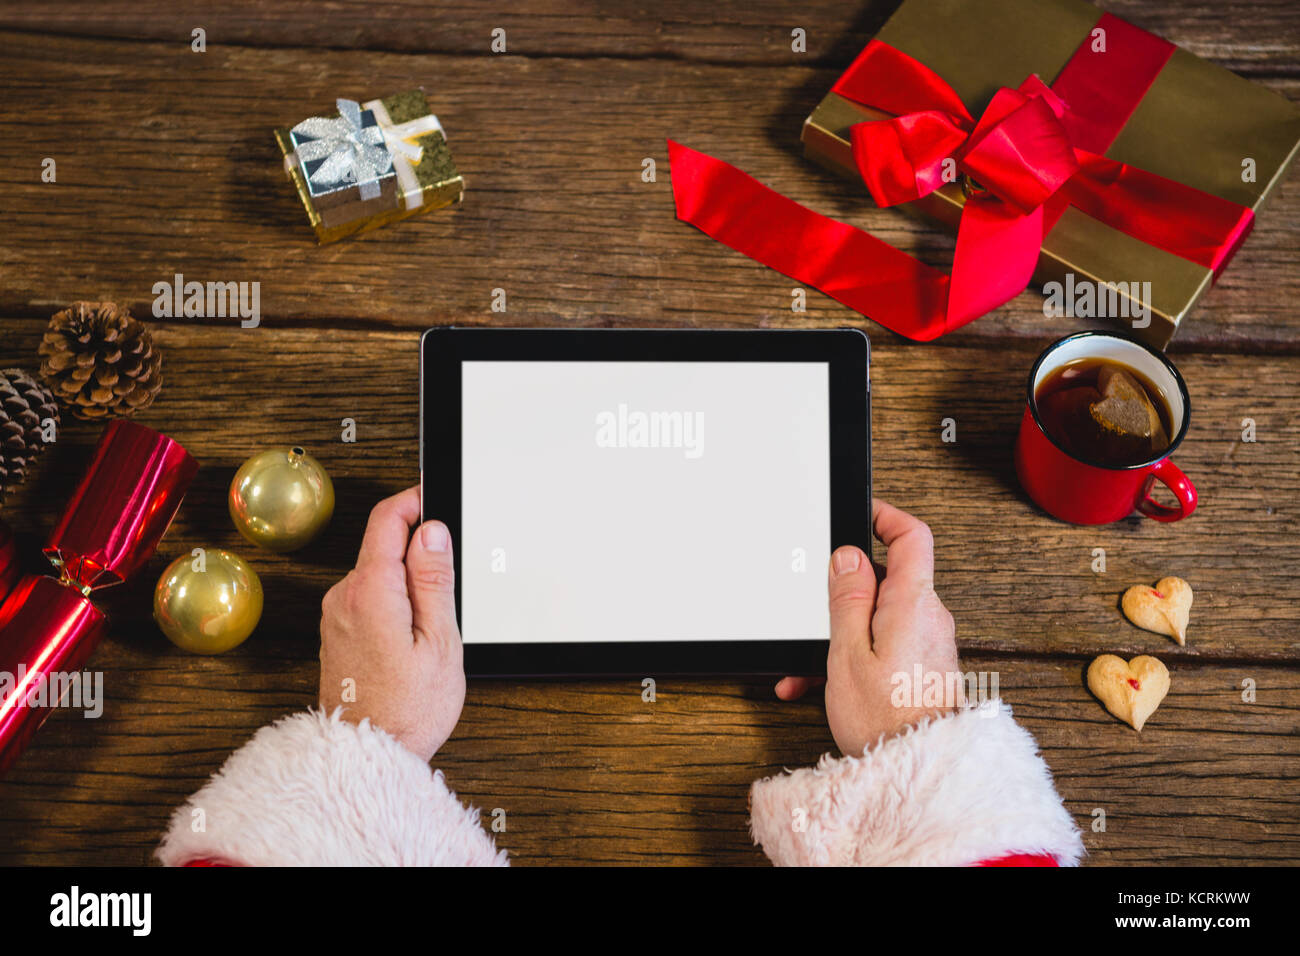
(846, 560)
(434, 536)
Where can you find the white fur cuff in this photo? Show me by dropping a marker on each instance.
(312, 790)
(959, 790)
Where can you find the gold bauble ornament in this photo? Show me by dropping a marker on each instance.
(208, 601)
(281, 498)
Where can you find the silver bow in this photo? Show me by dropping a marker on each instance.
(352, 153)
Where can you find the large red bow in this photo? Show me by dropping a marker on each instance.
(1023, 158)
(1019, 152)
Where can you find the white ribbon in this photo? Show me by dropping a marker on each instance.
(396, 135)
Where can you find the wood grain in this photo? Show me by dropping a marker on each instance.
(1250, 36)
(1017, 580)
(592, 774)
(166, 164)
(187, 180)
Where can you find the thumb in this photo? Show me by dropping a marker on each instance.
(431, 581)
(852, 595)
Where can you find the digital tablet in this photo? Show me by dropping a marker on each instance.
(644, 502)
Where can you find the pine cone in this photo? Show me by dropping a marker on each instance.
(24, 404)
(99, 361)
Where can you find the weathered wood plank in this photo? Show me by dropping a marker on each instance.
(1246, 35)
(590, 773)
(172, 169)
(1017, 580)
(165, 164)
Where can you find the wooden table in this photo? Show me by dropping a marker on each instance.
(166, 164)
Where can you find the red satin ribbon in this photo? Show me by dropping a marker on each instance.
(1026, 153)
(1104, 82)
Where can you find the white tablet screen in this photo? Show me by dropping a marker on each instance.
(644, 501)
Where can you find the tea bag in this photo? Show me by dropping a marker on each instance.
(1125, 411)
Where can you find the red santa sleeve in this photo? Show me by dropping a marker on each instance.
(316, 790)
(966, 789)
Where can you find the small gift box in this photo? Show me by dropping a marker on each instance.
(370, 165)
(1149, 117)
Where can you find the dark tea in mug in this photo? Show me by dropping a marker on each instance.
(1105, 412)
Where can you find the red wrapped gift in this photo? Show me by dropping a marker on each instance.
(49, 627)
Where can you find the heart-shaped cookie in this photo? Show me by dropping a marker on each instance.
(1163, 608)
(1131, 690)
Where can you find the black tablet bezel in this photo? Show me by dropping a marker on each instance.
(847, 355)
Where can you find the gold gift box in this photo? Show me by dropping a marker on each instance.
(1196, 125)
(343, 212)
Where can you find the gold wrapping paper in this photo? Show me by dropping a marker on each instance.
(1196, 125)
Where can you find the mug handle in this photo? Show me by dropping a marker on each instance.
(1174, 479)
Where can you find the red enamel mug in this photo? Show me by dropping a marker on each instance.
(1085, 492)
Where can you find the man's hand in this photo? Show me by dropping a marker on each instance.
(390, 649)
(880, 629)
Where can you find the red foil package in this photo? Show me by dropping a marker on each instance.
(49, 627)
